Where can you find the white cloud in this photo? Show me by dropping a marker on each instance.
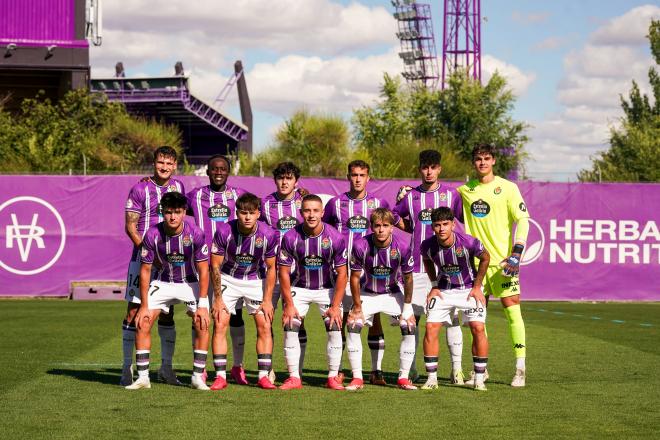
(530, 18)
(550, 43)
(518, 80)
(594, 78)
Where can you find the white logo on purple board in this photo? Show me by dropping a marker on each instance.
(34, 235)
(535, 243)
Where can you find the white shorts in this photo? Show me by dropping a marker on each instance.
(442, 310)
(302, 298)
(132, 294)
(373, 303)
(235, 291)
(162, 295)
(421, 288)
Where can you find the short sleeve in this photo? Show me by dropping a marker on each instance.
(287, 251)
(517, 206)
(272, 243)
(220, 240)
(340, 254)
(201, 248)
(135, 200)
(147, 250)
(407, 260)
(357, 256)
(476, 247)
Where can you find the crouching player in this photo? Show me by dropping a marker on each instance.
(243, 268)
(318, 250)
(456, 285)
(181, 252)
(384, 260)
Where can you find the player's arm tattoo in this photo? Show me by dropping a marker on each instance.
(215, 279)
(484, 260)
(130, 226)
(407, 287)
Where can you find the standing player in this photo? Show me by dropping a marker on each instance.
(180, 251)
(449, 262)
(317, 250)
(245, 249)
(415, 206)
(143, 211)
(384, 259)
(492, 206)
(281, 210)
(349, 213)
(213, 205)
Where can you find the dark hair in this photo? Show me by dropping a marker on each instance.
(483, 149)
(358, 164)
(173, 200)
(218, 156)
(311, 198)
(429, 157)
(165, 151)
(441, 214)
(248, 202)
(383, 214)
(286, 169)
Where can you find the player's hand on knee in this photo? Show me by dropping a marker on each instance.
(266, 308)
(355, 318)
(143, 317)
(288, 315)
(402, 192)
(202, 318)
(408, 318)
(334, 315)
(218, 308)
(478, 295)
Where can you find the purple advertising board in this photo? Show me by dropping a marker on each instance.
(587, 241)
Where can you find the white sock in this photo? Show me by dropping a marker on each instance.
(520, 363)
(406, 355)
(354, 352)
(433, 376)
(333, 351)
(128, 343)
(292, 353)
(237, 344)
(377, 349)
(167, 335)
(455, 345)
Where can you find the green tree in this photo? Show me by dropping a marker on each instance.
(635, 144)
(452, 121)
(318, 143)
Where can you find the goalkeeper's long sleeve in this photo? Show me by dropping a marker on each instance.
(522, 229)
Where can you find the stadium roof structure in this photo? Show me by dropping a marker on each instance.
(206, 130)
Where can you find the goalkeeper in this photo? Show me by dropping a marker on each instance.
(491, 206)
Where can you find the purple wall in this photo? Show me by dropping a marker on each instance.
(586, 242)
(39, 22)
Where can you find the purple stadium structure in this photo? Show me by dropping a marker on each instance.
(461, 41)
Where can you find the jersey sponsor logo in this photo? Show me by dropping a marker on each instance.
(218, 213)
(497, 190)
(424, 216)
(325, 243)
(258, 242)
(460, 252)
(357, 224)
(451, 269)
(443, 197)
(394, 253)
(381, 272)
(176, 259)
(510, 284)
(312, 262)
(286, 223)
(129, 204)
(371, 203)
(522, 207)
(187, 240)
(480, 208)
(244, 260)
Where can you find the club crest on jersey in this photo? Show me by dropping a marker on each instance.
(357, 224)
(497, 190)
(218, 213)
(129, 204)
(172, 188)
(371, 203)
(443, 197)
(298, 203)
(325, 243)
(425, 216)
(258, 242)
(451, 269)
(394, 253)
(480, 209)
(187, 240)
(460, 252)
(229, 194)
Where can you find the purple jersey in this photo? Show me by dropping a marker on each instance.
(417, 206)
(281, 214)
(211, 208)
(454, 265)
(176, 254)
(383, 267)
(245, 255)
(144, 199)
(315, 257)
(351, 216)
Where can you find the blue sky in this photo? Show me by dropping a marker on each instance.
(567, 61)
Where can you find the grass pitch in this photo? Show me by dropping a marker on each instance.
(592, 373)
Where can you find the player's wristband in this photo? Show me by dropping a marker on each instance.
(518, 248)
(407, 311)
(203, 303)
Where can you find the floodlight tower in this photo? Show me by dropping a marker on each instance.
(461, 41)
(415, 32)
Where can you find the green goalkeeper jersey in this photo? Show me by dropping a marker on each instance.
(490, 210)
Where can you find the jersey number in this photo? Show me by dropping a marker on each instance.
(154, 289)
(431, 303)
